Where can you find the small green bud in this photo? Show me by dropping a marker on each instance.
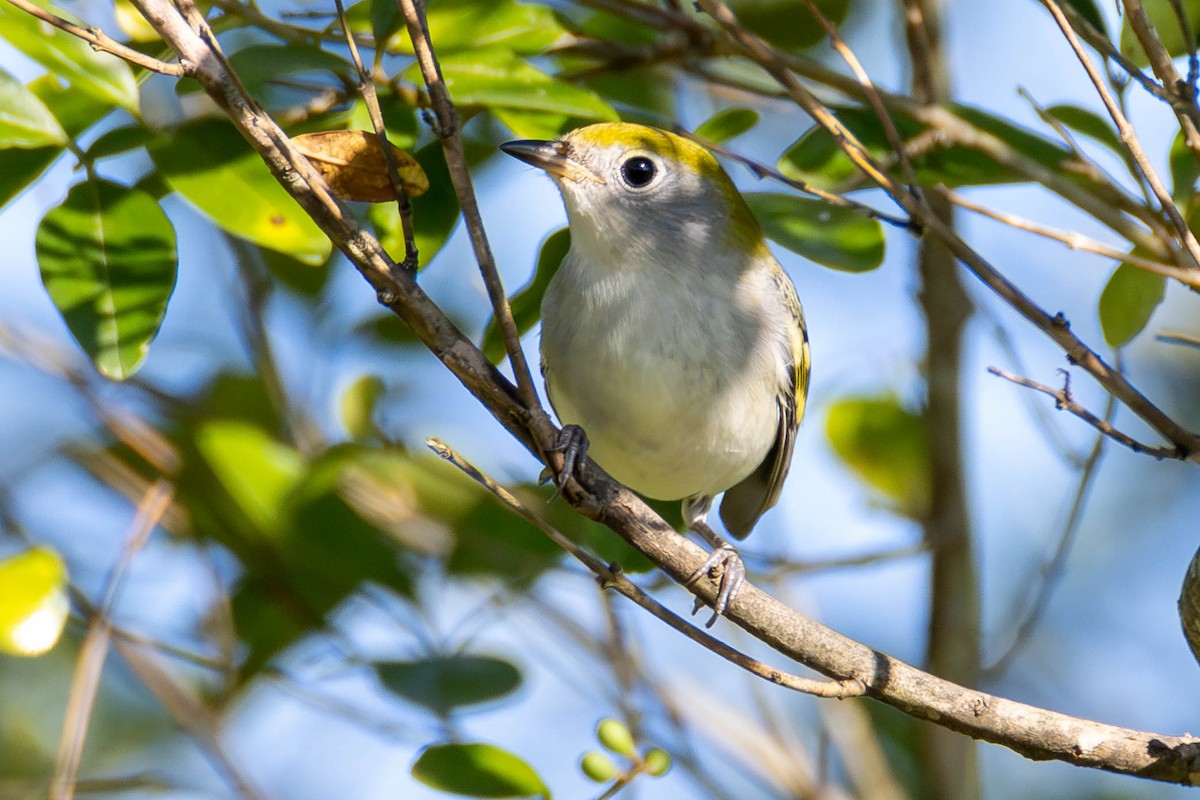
(657, 761)
(598, 767)
(615, 736)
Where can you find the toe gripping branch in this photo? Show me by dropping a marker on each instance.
(725, 566)
(573, 444)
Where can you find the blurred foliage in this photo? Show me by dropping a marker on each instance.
(300, 522)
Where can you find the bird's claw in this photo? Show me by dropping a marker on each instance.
(725, 566)
(573, 444)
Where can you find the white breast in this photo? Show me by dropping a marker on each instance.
(675, 380)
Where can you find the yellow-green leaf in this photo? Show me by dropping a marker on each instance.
(25, 121)
(1128, 301)
(500, 78)
(477, 770)
(33, 601)
(68, 58)
(886, 446)
(213, 168)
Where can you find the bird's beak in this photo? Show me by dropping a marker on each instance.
(551, 157)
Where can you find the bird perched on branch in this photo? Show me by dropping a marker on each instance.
(670, 334)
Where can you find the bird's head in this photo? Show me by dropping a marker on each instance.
(631, 188)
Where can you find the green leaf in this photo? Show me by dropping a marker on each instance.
(726, 124)
(33, 605)
(477, 770)
(1089, 11)
(838, 238)
(20, 168)
(116, 141)
(357, 407)
(25, 121)
(817, 158)
(213, 168)
(1166, 25)
(68, 58)
(787, 24)
(1184, 169)
(526, 124)
(269, 72)
(500, 78)
(75, 111)
(1128, 301)
(1090, 124)
(435, 213)
(257, 471)
(526, 304)
(458, 26)
(886, 446)
(444, 683)
(107, 258)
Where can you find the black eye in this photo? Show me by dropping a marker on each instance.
(638, 171)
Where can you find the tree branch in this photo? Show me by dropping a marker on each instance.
(456, 160)
(1063, 401)
(99, 40)
(613, 578)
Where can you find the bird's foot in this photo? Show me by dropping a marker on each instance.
(573, 444)
(725, 566)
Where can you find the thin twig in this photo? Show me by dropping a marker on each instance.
(101, 41)
(1127, 134)
(761, 170)
(1163, 65)
(366, 87)
(452, 145)
(1063, 401)
(873, 99)
(612, 578)
(1077, 241)
(1185, 339)
(94, 650)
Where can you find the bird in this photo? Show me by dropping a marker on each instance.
(673, 347)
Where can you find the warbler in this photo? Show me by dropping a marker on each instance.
(670, 334)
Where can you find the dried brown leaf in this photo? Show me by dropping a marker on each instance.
(355, 168)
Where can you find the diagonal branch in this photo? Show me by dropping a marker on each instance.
(1064, 401)
(101, 41)
(447, 130)
(611, 578)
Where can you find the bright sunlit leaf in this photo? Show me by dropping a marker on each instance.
(24, 119)
(501, 78)
(108, 261)
(213, 168)
(68, 58)
(477, 770)
(33, 601)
